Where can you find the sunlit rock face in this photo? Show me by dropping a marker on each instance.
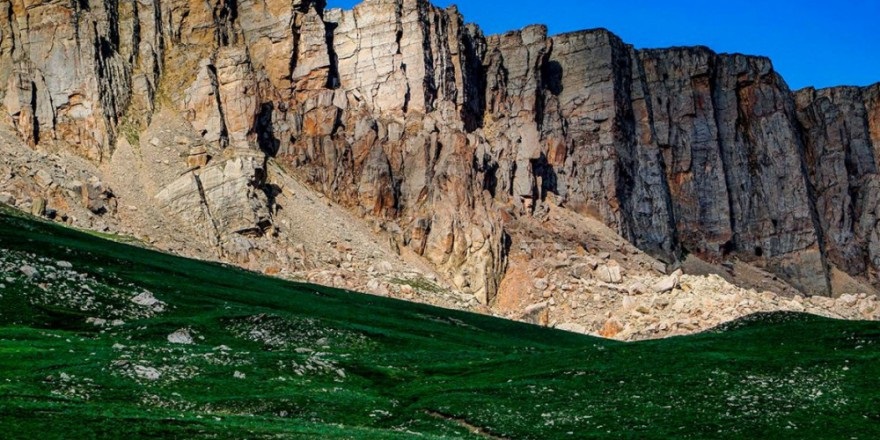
(401, 112)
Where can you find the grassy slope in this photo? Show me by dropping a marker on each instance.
(381, 368)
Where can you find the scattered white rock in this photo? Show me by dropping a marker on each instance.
(64, 264)
(239, 375)
(182, 336)
(98, 322)
(145, 299)
(148, 373)
(29, 271)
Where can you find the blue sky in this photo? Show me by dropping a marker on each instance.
(811, 42)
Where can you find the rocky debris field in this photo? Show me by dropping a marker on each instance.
(579, 276)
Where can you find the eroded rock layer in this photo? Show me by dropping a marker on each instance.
(404, 114)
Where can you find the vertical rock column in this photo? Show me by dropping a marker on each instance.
(772, 214)
(67, 81)
(841, 158)
(601, 148)
(679, 86)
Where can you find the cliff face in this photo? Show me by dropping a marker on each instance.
(839, 128)
(400, 111)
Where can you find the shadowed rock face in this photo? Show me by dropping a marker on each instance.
(401, 112)
(841, 157)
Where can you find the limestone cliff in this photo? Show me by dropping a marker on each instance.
(405, 114)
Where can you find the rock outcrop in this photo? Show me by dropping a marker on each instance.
(226, 195)
(444, 137)
(840, 133)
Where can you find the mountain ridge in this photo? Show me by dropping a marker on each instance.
(466, 156)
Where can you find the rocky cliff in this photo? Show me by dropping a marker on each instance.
(445, 139)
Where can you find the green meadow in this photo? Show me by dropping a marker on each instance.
(103, 339)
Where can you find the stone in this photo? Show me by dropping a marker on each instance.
(848, 300)
(572, 327)
(232, 189)
(660, 267)
(182, 336)
(38, 207)
(98, 322)
(668, 283)
(536, 313)
(7, 199)
(581, 271)
(535, 308)
(638, 288)
(608, 273)
(384, 267)
(43, 178)
(97, 197)
(197, 158)
(148, 373)
(29, 271)
(611, 328)
(145, 299)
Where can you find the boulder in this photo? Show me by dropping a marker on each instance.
(182, 336)
(609, 273)
(7, 199)
(29, 271)
(145, 299)
(38, 207)
(148, 373)
(668, 283)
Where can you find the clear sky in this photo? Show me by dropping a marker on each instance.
(811, 42)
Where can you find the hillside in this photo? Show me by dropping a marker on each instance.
(104, 339)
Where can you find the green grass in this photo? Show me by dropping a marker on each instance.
(314, 362)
